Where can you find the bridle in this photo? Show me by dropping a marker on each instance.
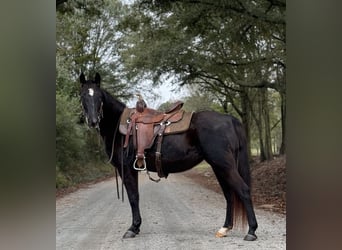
(100, 113)
(99, 116)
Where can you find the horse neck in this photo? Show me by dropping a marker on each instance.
(112, 110)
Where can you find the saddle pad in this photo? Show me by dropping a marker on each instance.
(124, 120)
(175, 127)
(180, 126)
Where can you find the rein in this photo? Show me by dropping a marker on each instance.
(114, 136)
(122, 168)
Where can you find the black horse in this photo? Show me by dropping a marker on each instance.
(217, 138)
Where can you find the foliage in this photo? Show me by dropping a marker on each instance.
(211, 43)
(69, 138)
(231, 54)
(233, 50)
(69, 135)
(199, 102)
(79, 153)
(85, 34)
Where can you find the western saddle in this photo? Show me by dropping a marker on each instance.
(145, 124)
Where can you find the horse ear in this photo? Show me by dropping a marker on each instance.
(97, 79)
(82, 78)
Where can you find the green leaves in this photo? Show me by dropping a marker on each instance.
(224, 47)
(224, 39)
(85, 41)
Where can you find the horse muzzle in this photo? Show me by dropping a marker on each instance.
(93, 122)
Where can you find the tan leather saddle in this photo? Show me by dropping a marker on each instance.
(145, 126)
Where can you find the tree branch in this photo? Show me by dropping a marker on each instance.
(228, 6)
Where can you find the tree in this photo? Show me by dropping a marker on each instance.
(224, 47)
(85, 34)
(59, 2)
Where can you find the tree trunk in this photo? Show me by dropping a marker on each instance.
(245, 117)
(282, 149)
(258, 121)
(266, 122)
(262, 122)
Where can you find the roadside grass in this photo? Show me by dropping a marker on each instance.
(83, 174)
(203, 166)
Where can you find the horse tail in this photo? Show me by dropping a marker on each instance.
(242, 163)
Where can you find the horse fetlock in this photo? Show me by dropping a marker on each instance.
(135, 229)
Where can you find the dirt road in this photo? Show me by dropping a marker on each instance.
(176, 214)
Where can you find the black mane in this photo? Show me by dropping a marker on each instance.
(112, 110)
(108, 99)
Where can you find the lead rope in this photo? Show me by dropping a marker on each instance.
(122, 176)
(112, 152)
(122, 170)
(116, 170)
(117, 183)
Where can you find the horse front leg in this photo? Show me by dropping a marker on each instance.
(131, 185)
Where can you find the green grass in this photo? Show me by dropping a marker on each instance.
(82, 174)
(203, 166)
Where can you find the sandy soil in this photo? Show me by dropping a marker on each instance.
(177, 213)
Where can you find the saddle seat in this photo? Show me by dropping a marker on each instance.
(145, 126)
(154, 116)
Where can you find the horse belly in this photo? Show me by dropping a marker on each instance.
(177, 154)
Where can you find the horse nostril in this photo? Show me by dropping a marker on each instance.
(93, 123)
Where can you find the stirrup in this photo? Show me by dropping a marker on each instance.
(137, 168)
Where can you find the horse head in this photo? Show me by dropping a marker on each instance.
(91, 99)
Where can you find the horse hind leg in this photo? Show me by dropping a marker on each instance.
(228, 224)
(243, 193)
(230, 180)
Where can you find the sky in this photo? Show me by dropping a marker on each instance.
(166, 92)
(161, 94)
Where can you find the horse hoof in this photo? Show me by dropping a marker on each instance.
(129, 234)
(250, 237)
(223, 232)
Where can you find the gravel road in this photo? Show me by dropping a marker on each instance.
(176, 214)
